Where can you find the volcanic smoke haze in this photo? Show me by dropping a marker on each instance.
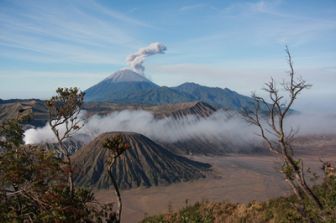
(136, 60)
(219, 126)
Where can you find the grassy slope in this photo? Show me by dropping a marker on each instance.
(281, 209)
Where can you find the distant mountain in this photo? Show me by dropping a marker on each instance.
(9, 109)
(144, 164)
(159, 96)
(178, 110)
(118, 87)
(128, 87)
(217, 97)
(36, 109)
(181, 110)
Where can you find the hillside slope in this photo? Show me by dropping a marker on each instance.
(36, 109)
(145, 164)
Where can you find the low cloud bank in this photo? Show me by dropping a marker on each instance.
(312, 123)
(219, 126)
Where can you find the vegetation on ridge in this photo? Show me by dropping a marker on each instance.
(281, 209)
(36, 184)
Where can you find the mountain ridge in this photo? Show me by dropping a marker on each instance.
(215, 96)
(39, 112)
(128, 87)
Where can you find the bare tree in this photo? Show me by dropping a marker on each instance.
(273, 132)
(63, 110)
(116, 147)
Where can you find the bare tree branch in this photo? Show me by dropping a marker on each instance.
(278, 109)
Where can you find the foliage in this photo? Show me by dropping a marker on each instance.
(63, 110)
(65, 105)
(116, 146)
(32, 184)
(33, 180)
(189, 214)
(11, 134)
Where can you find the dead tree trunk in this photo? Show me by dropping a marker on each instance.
(269, 118)
(116, 191)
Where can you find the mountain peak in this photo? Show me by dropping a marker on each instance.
(119, 86)
(127, 75)
(189, 84)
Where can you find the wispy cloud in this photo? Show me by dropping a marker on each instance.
(73, 32)
(118, 15)
(261, 23)
(239, 8)
(192, 7)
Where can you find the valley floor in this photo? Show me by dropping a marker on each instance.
(236, 178)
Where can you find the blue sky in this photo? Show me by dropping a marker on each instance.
(234, 44)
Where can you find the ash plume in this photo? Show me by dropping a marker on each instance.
(136, 60)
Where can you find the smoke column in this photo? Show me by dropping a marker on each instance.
(136, 60)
